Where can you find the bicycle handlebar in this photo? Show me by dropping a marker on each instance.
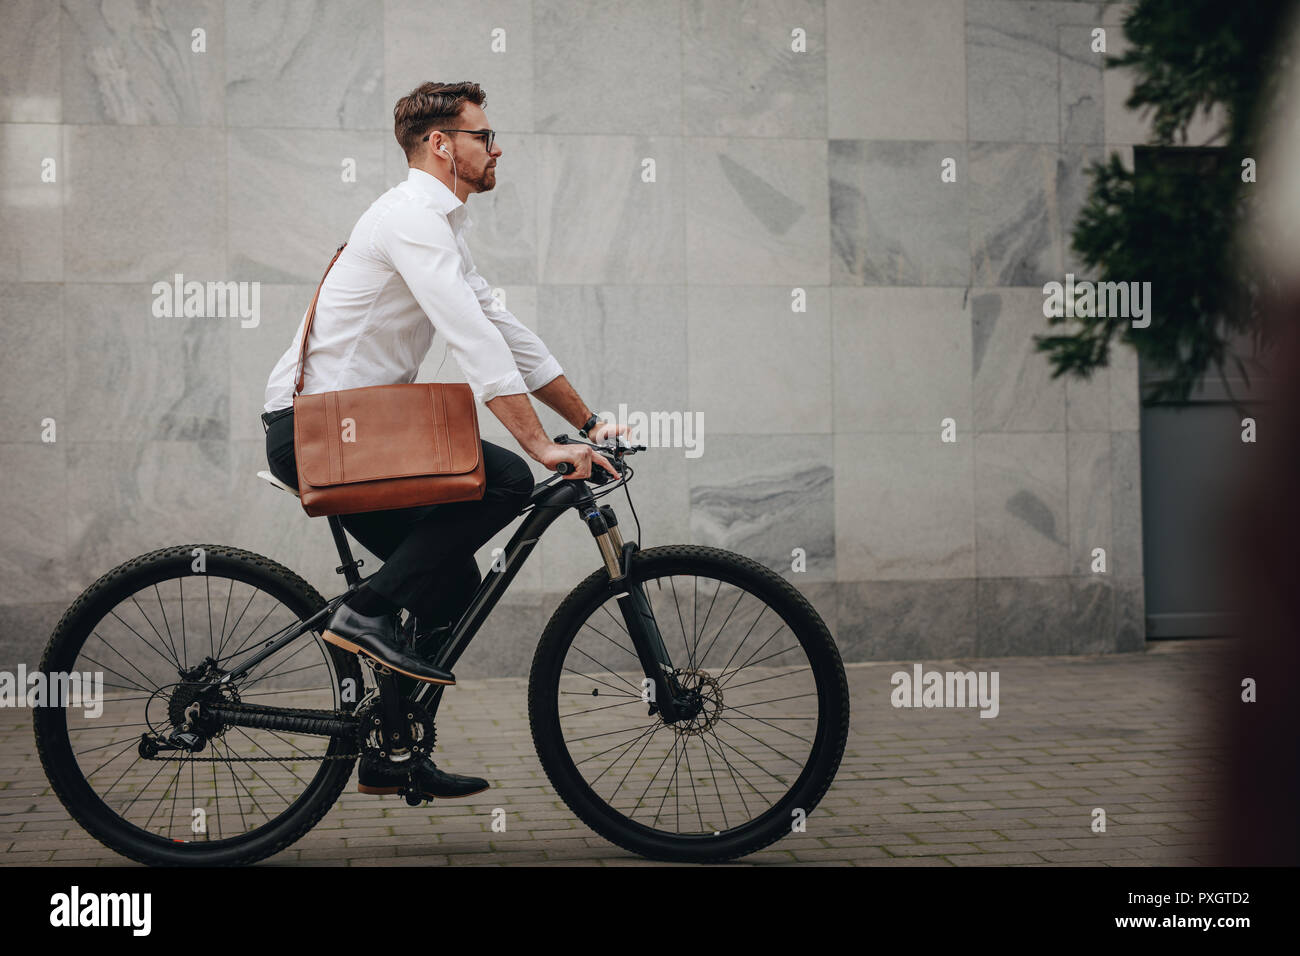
(616, 445)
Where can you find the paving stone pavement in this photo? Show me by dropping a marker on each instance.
(1129, 733)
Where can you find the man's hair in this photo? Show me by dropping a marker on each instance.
(431, 106)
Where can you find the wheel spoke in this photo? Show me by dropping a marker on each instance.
(750, 660)
(173, 660)
(734, 772)
(602, 683)
(126, 659)
(648, 738)
(130, 685)
(592, 710)
(637, 733)
(235, 627)
(619, 676)
(723, 627)
(255, 629)
(626, 650)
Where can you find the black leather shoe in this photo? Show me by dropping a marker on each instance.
(419, 773)
(378, 638)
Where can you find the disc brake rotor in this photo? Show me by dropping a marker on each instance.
(706, 688)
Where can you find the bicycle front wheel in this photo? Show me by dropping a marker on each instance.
(744, 771)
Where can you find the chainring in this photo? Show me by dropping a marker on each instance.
(369, 737)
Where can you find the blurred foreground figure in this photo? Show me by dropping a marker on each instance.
(1259, 821)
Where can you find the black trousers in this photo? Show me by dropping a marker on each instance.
(428, 552)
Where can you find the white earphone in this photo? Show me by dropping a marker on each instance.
(456, 179)
(443, 149)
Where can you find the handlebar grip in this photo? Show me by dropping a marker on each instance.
(564, 467)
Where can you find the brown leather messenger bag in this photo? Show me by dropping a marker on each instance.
(384, 446)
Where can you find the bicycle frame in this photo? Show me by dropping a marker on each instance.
(547, 502)
(485, 598)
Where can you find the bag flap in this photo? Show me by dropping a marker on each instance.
(391, 431)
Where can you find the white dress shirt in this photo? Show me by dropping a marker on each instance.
(405, 275)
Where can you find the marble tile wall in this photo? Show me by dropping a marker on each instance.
(782, 175)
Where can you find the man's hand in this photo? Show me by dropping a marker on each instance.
(516, 412)
(581, 456)
(605, 430)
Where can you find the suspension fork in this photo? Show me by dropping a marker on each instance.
(656, 664)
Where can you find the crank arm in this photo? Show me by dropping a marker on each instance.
(396, 729)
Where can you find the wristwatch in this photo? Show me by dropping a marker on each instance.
(591, 423)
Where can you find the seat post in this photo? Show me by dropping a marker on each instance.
(349, 566)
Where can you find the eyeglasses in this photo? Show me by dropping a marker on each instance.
(491, 134)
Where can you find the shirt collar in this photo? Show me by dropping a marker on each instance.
(445, 200)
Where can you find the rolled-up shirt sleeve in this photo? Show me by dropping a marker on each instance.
(420, 245)
(533, 359)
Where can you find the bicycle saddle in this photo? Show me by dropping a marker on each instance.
(267, 476)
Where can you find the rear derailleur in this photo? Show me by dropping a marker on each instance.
(190, 729)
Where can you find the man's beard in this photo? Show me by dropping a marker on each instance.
(485, 182)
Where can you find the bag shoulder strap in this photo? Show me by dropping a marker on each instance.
(311, 315)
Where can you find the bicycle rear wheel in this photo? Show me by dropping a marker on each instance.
(736, 777)
(145, 625)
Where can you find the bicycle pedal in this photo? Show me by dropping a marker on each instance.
(413, 797)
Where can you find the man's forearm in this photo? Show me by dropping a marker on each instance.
(559, 395)
(516, 412)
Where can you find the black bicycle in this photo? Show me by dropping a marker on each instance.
(686, 702)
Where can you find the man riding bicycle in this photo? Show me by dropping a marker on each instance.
(405, 275)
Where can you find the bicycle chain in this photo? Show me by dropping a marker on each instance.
(362, 713)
